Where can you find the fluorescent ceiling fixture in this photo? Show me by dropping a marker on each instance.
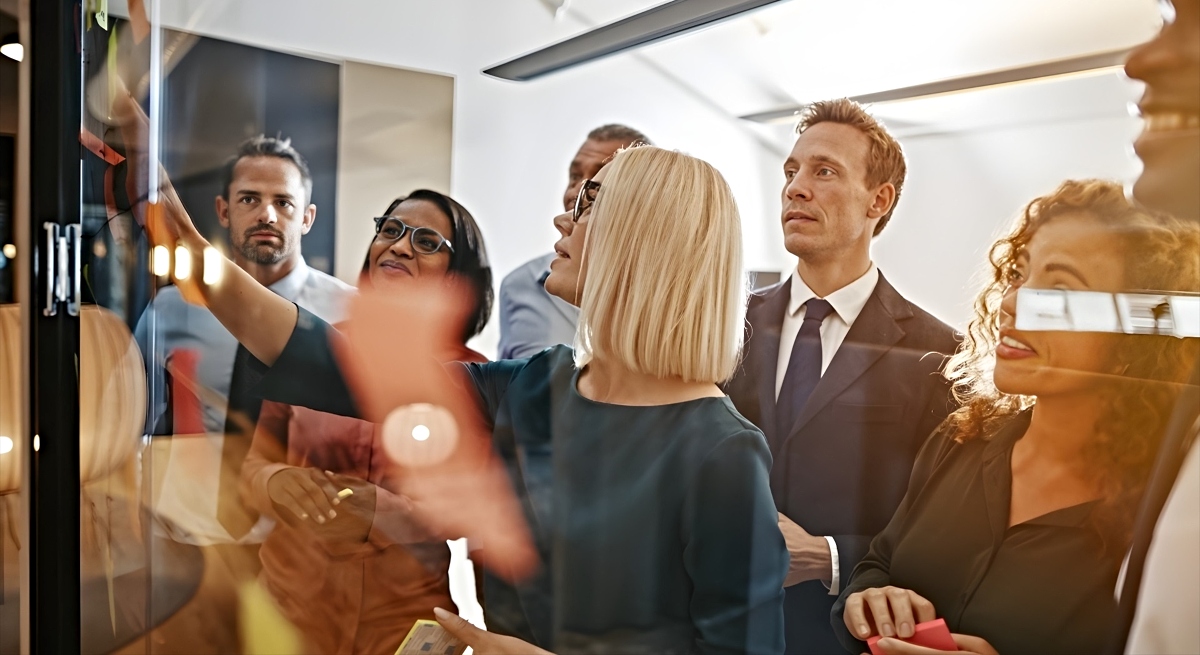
(655, 24)
(1086, 65)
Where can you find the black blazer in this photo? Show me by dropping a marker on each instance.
(842, 469)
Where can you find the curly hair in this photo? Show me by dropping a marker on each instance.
(1160, 255)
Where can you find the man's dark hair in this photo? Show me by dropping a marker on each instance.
(267, 146)
(618, 132)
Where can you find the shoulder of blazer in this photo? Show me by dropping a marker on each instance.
(921, 328)
(760, 296)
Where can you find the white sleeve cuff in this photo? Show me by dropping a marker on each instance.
(835, 581)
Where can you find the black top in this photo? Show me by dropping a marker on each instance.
(655, 525)
(1043, 586)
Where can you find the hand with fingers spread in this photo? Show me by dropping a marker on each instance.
(887, 612)
(966, 644)
(482, 641)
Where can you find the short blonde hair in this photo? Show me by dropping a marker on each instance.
(664, 292)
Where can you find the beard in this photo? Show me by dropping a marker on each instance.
(264, 253)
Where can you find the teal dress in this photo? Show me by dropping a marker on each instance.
(655, 525)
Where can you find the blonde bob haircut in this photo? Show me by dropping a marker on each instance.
(662, 260)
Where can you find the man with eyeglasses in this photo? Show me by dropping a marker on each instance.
(532, 320)
(201, 394)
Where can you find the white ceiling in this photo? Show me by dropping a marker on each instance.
(802, 50)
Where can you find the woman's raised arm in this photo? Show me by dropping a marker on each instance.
(257, 317)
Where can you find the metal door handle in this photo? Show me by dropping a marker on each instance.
(51, 269)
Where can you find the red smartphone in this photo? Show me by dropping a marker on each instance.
(930, 634)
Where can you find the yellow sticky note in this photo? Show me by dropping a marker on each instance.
(430, 638)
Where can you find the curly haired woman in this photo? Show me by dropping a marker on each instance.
(1018, 512)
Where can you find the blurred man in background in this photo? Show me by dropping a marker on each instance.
(532, 320)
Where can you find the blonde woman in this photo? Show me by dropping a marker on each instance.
(1020, 506)
(646, 492)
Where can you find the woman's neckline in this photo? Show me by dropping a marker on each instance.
(575, 374)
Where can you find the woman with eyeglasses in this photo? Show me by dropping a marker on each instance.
(646, 494)
(346, 563)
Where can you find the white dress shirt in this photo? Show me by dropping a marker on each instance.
(1169, 600)
(190, 484)
(848, 303)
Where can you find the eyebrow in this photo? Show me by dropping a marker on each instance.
(821, 159)
(258, 194)
(1069, 270)
(826, 159)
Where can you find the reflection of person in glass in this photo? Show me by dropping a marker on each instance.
(347, 565)
(1020, 507)
(1160, 598)
(646, 492)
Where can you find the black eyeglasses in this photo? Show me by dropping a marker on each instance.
(587, 196)
(424, 240)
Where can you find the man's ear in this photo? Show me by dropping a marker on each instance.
(223, 211)
(881, 204)
(310, 217)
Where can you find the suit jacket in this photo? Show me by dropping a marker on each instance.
(842, 468)
(532, 320)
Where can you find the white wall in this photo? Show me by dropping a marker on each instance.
(395, 132)
(512, 141)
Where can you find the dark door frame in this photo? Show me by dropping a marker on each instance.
(53, 541)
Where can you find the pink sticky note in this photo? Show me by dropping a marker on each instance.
(930, 634)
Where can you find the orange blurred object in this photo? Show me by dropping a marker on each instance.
(393, 363)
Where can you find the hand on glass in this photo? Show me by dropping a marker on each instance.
(166, 221)
(966, 644)
(482, 641)
(393, 360)
(808, 556)
(887, 612)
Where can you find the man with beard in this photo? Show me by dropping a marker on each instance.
(265, 204)
(1161, 590)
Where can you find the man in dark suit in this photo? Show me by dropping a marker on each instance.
(840, 372)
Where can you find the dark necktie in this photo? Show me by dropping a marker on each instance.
(803, 371)
(241, 415)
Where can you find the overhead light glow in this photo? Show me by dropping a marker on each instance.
(14, 51)
(212, 265)
(160, 261)
(10, 251)
(6, 445)
(183, 263)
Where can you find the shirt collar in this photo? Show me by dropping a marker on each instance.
(847, 302)
(289, 286)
